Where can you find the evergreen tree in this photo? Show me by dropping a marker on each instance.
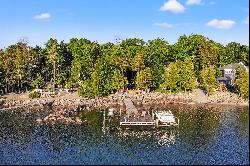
(118, 81)
(187, 79)
(171, 77)
(242, 82)
(208, 79)
(52, 52)
(144, 79)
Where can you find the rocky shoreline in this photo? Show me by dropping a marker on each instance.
(66, 109)
(142, 100)
(63, 116)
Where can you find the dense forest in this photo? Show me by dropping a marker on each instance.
(101, 69)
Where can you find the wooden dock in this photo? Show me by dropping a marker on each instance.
(137, 123)
(132, 117)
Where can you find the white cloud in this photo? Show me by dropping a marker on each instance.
(221, 24)
(42, 16)
(164, 25)
(246, 21)
(193, 2)
(172, 6)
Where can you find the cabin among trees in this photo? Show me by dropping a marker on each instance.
(229, 73)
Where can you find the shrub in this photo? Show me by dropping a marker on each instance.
(34, 94)
(86, 90)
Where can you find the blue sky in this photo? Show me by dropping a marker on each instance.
(104, 20)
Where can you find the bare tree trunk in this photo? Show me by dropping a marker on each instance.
(21, 87)
(18, 85)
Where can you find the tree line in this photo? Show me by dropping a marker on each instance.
(101, 69)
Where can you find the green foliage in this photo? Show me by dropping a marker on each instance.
(242, 82)
(104, 80)
(38, 82)
(101, 78)
(208, 76)
(69, 84)
(118, 81)
(138, 63)
(244, 56)
(157, 53)
(218, 73)
(189, 47)
(85, 89)
(187, 79)
(34, 94)
(235, 53)
(100, 69)
(85, 55)
(144, 79)
(2, 83)
(179, 76)
(17, 61)
(171, 77)
(232, 53)
(210, 53)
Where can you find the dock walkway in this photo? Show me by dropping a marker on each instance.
(132, 117)
(130, 108)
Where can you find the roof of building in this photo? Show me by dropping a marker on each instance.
(234, 66)
(230, 66)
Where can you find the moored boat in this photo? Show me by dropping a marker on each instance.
(166, 118)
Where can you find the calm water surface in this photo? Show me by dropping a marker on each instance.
(203, 137)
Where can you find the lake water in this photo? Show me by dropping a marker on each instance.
(203, 137)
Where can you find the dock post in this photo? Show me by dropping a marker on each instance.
(103, 124)
(157, 123)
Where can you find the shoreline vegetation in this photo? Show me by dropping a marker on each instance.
(102, 75)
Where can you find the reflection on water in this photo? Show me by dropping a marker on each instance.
(161, 137)
(166, 138)
(198, 127)
(203, 137)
